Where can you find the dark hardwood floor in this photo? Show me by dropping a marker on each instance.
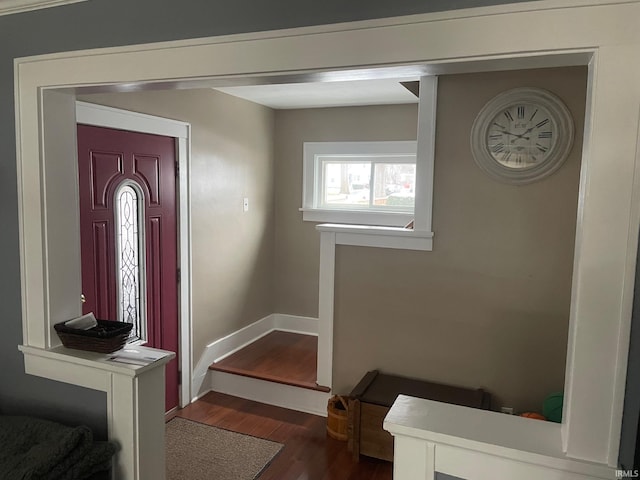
(308, 453)
(282, 357)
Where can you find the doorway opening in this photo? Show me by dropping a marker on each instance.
(128, 236)
(142, 285)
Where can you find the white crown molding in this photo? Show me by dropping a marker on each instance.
(7, 7)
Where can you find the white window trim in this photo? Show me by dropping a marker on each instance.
(311, 173)
(351, 217)
(347, 224)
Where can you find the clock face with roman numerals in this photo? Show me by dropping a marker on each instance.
(522, 135)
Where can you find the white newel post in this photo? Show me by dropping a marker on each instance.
(414, 459)
(325, 307)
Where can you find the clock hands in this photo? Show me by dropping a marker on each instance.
(522, 135)
(527, 131)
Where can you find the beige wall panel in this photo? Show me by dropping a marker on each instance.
(489, 306)
(298, 242)
(232, 158)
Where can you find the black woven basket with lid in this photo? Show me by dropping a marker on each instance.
(108, 336)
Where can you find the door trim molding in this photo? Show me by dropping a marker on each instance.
(109, 117)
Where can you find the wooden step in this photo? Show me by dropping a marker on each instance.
(280, 357)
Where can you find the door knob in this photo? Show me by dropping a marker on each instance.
(83, 299)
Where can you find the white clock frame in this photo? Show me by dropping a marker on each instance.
(560, 117)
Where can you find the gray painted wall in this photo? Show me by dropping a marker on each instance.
(102, 23)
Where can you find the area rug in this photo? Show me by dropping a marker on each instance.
(196, 451)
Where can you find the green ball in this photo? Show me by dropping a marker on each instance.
(552, 407)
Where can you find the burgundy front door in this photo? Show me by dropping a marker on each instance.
(128, 235)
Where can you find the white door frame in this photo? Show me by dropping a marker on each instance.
(101, 116)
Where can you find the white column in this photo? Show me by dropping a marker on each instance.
(137, 422)
(325, 307)
(413, 459)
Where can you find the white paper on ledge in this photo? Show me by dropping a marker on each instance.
(134, 356)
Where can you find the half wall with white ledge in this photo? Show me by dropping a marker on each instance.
(474, 444)
(135, 401)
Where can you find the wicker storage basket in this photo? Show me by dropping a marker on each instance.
(107, 337)
(337, 417)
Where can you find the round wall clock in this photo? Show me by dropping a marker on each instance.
(522, 135)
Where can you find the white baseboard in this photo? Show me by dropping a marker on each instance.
(286, 396)
(295, 323)
(239, 339)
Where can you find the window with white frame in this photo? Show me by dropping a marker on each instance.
(362, 183)
(366, 192)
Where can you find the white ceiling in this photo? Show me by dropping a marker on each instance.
(326, 94)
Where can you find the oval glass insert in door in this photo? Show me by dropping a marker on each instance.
(130, 255)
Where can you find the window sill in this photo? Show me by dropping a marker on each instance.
(381, 237)
(356, 218)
